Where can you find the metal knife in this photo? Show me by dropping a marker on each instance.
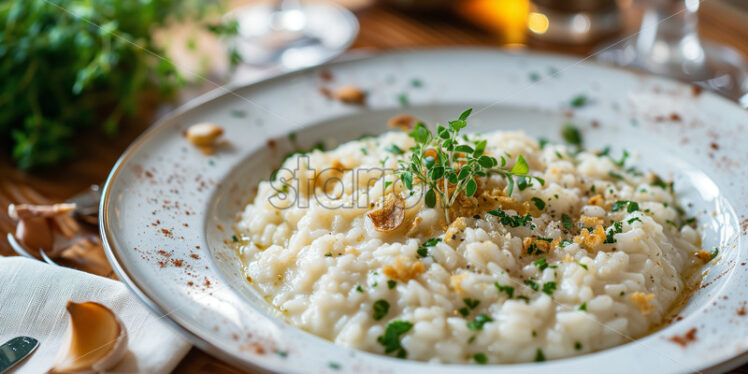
(15, 350)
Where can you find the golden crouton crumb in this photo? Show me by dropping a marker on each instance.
(454, 229)
(507, 202)
(588, 221)
(568, 258)
(402, 270)
(642, 301)
(539, 244)
(597, 200)
(456, 282)
(556, 242)
(704, 256)
(591, 240)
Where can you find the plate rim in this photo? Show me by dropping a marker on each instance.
(219, 92)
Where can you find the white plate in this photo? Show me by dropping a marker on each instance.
(164, 195)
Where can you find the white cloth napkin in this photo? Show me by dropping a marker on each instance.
(32, 303)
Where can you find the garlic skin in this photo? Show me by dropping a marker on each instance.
(37, 224)
(95, 341)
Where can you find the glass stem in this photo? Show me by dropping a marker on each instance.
(668, 42)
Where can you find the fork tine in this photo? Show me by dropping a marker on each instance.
(18, 248)
(46, 258)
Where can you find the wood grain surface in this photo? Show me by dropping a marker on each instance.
(382, 28)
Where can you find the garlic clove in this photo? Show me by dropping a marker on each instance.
(36, 225)
(96, 340)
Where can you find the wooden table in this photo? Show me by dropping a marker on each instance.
(381, 28)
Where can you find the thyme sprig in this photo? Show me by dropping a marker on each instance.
(441, 160)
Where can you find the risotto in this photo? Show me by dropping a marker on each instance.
(491, 248)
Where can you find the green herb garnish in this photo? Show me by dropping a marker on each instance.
(566, 222)
(578, 101)
(423, 250)
(571, 135)
(479, 321)
(381, 307)
(509, 290)
(391, 338)
(540, 204)
(480, 358)
(391, 284)
(542, 264)
(583, 306)
(450, 162)
(532, 284)
(549, 287)
(539, 356)
(393, 148)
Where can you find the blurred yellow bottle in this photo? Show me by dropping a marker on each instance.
(507, 18)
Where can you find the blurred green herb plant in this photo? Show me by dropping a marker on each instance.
(69, 65)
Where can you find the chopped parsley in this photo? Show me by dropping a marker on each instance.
(381, 308)
(616, 228)
(566, 222)
(523, 183)
(234, 238)
(714, 254)
(478, 322)
(571, 135)
(582, 265)
(534, 76)
(583, 306)
(423, 249)
(632, 220)
(391, 338)
(359, 289)
(549, 287)
(471, 303)
(334, 365)
(364, 151)
(328, 254)
(391, 284)
(578, 346)
(525, 298)
(578, 101)
(532, 284)
(512, 221)
(238, 113)
(542, 264)
(480, 358)
(464, 311)
(542, 142)
(509, 290)
(402, 98)
(415, 82)
(539, 356)
(540, 204)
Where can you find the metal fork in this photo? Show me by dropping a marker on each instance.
(18, 248)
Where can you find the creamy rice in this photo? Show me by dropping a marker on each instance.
(478, 295)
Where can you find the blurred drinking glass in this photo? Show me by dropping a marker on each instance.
(292, 34)
(668, 44)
